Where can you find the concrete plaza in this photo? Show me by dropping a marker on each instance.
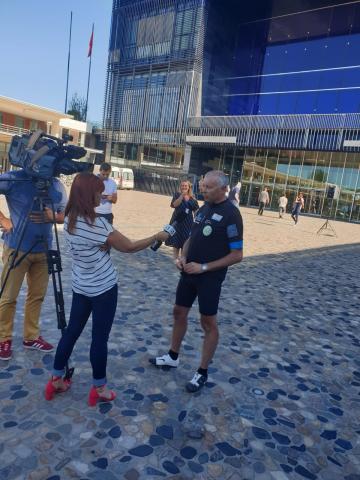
(282, 401)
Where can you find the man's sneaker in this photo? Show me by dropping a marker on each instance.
(197, 382)
(164, 361)
(5, 350)
(38, 344)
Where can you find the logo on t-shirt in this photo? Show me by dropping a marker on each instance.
(232, 231)
(207, 230)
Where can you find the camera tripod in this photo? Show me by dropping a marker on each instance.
(40, 200)
(327, 225)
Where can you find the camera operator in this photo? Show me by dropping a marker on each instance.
(94, 283)
(215, 243)
(19, 190)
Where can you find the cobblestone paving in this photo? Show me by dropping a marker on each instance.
(282, 400)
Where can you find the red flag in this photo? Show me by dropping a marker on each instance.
(91, 44)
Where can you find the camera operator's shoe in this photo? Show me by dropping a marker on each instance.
(197, 382)
(38, 344)
(56, 385)
(164, 361)
(5, 350)
(95, 395)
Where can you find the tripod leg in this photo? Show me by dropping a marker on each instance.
(55, 268)
(332, 229)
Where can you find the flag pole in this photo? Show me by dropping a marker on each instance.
(88, 83)
(68, 65)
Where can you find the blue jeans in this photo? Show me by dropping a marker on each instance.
(103, 309)
(295, 214)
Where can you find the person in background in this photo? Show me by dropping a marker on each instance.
(109, 195)
(283, 201)
(234, 195)
(94, 283)
(297, 207)
(264, 200)
(200, 194)
(185, 206)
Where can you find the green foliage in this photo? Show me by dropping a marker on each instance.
(319, 175)
(77, 107)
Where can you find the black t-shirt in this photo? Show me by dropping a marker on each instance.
(217, 229)
(186, 207)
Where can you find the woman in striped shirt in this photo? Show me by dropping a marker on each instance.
(94, 283)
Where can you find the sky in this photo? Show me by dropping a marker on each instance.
(34, 51)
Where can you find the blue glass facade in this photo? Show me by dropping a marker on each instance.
(278, 80)
(290, 59)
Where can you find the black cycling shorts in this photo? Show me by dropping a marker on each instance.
(206, 287)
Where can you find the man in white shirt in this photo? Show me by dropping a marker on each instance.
(109, 195)
(283, 201)
(234, 195)
(264, 200)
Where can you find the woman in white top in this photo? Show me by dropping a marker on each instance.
(94, 283)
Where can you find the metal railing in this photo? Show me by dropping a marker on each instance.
(295, 121)
(306, 132)
(12, 130)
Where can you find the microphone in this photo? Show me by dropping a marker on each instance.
(170, 229)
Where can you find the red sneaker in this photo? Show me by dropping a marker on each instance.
(38, 344)
(5, 350)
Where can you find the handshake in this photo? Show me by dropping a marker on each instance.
(170, 230)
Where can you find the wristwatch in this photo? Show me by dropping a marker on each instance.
(204, 267)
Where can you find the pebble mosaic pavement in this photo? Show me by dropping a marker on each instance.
(282, 400)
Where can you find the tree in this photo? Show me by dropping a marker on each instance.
(319, 175)
(77, 107)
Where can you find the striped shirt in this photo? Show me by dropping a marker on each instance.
(92, 270)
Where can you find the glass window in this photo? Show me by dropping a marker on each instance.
(295, 167)
(308, 169)
(270, 168)
(259, 165)
(237, 169)
(153, 35)
(290, 59)
(19, 122)
(282, 167)
(118, 150)
(351, 171)
(336, 169)
(131, 151)
(228, 159)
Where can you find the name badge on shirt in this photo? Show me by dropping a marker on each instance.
(216, 217)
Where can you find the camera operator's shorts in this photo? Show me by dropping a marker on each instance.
(206, 287)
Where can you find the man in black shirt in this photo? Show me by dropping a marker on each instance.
(215, 243)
